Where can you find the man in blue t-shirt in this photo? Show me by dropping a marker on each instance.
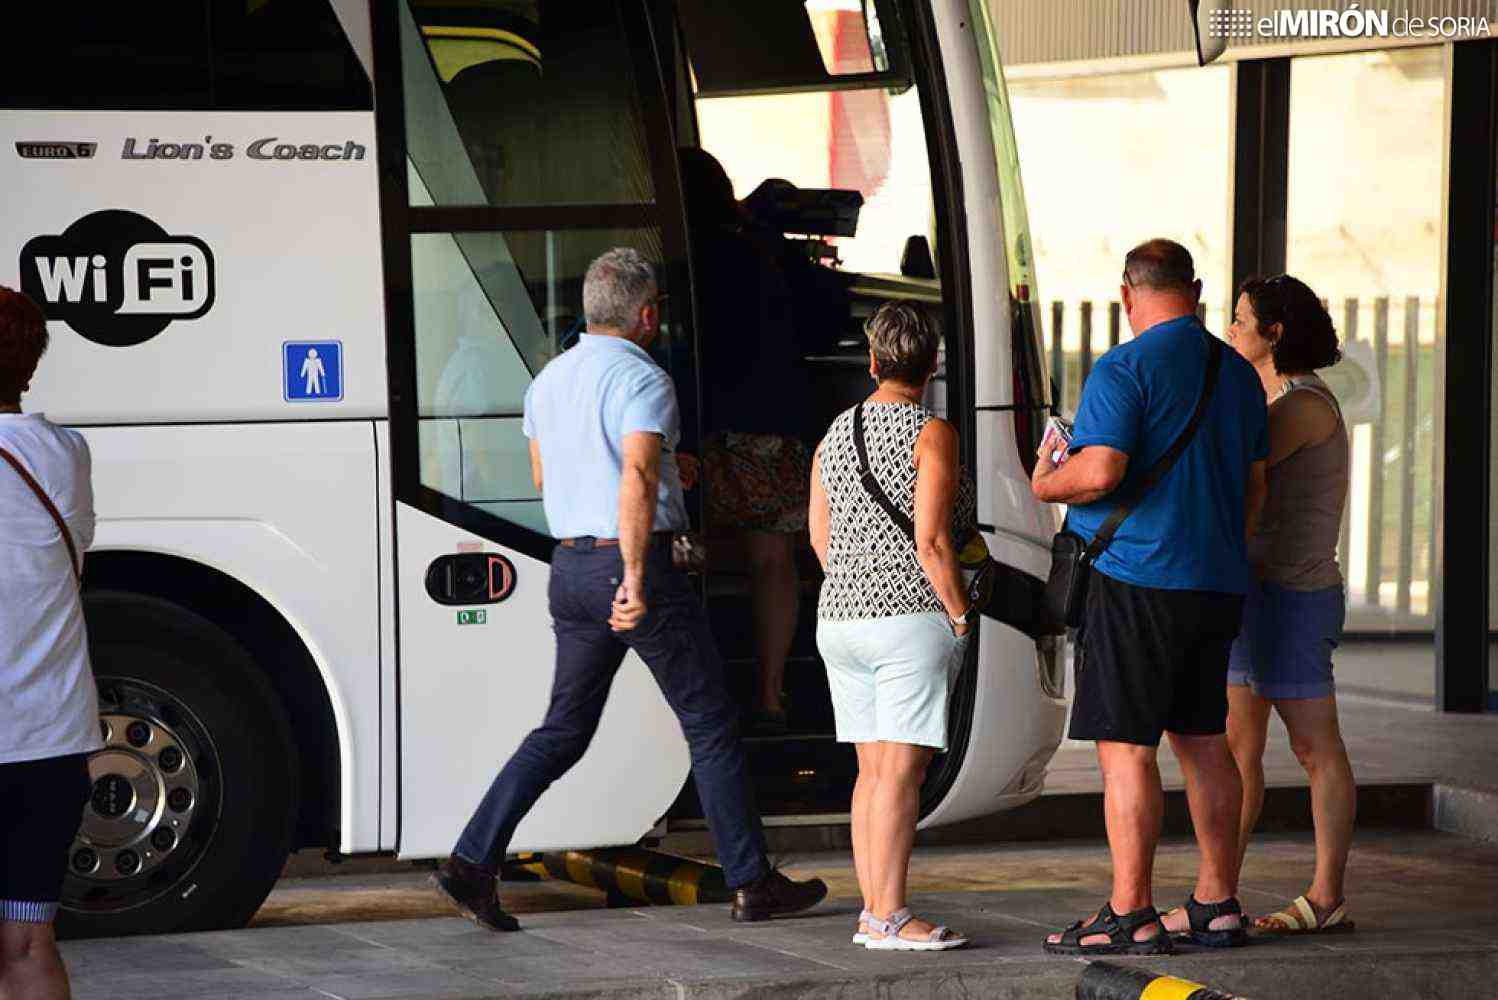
(1165, 599)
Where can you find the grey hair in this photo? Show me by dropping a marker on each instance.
(618, 284)
(1162, 265)
(904, 341)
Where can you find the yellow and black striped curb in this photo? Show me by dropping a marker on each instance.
(647, 877)
(1105, 981)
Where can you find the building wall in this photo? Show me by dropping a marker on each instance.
(1035, 34)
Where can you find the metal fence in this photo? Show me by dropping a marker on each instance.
(1388, 383)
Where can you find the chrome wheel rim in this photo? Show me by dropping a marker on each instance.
(153, 802)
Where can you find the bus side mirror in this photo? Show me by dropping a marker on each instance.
(1209, 28)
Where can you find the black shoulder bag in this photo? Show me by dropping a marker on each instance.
(1072, 557)
(978, 570)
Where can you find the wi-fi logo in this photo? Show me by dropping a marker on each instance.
(118, 278)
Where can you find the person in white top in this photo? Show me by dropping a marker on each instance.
(49, 718)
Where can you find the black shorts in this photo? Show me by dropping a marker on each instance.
(44, 802)
(1152, 661)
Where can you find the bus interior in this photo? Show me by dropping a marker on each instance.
(823, 126)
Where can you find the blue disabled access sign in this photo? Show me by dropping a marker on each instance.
(312, 371)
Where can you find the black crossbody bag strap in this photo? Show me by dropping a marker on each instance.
(871, 485)
(1104, 536)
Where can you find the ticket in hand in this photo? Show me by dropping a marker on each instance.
(1057, 440)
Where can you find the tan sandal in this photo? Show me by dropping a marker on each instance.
(1300, 918)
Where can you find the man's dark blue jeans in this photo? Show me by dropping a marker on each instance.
(674, 641)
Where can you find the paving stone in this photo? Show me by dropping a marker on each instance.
(427, 982)
(231, 983)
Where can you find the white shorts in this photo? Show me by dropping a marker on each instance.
(890, 677)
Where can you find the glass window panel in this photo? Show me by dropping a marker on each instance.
(522, 102)
(491, 309)
(1365, 218)
(526, 513)
(869, 141)
(1105, 170)
(496, 460)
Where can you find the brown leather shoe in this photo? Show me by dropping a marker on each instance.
(774, 895)
(474, 892)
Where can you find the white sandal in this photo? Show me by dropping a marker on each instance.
(1300, 918)
(861, 936)
(940, 938)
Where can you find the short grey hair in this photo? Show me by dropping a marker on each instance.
(618, 284)
(905, 341)
(1163, 265)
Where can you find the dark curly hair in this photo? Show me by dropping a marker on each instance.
(1307, 339)
(23, 341)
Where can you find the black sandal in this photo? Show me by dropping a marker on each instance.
(1199, 917)
(1120, 930)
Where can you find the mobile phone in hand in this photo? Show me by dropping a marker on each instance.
(1057, 440)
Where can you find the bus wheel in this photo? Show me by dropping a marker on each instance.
(195, 792)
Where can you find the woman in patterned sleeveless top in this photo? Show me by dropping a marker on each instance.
(893, 620)
(1292, 618)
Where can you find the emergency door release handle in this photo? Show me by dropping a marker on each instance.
(470, 578)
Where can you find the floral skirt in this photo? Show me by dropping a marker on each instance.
(757, 482)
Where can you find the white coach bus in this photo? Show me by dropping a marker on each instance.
(300, 260)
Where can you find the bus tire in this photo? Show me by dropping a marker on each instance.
(195, 792)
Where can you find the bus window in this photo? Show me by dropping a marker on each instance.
(871, 140)
(226, 55)
(524, 123)
(490, 310)
(531, 103)
(781, 48)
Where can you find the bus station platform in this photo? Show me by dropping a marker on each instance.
(1424, 904)
(1423, 888)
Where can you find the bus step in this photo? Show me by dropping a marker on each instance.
(633, 874)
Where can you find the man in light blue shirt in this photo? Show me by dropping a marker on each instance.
(578, 413)
(603, 425)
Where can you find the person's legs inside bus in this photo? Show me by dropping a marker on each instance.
(776, 600)
(1316, 739)
(588, 656)
(757, 488)
(46, 799)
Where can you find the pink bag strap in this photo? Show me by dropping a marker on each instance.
(41, 494)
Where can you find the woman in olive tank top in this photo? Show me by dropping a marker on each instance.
(1293, 616)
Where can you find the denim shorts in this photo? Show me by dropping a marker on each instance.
(890, 676)
(1285, 648)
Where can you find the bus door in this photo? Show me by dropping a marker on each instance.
(519, 141)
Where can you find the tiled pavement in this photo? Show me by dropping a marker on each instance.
(1425, 903)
